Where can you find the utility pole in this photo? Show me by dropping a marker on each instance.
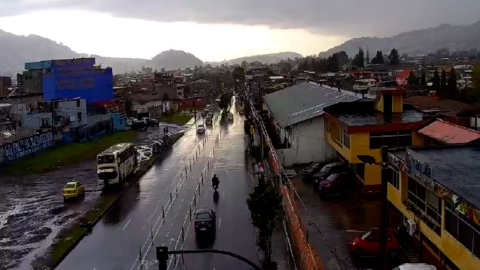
(384, 209)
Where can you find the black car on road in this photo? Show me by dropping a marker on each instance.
(312, 169)
(205, 220)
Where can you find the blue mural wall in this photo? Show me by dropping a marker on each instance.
(73, 78)
(26, 147)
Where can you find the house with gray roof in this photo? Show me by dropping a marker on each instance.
(297, 114)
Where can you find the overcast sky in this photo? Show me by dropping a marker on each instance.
(217, 30)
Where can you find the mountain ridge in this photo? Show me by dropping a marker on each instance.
(270, 58)
(416, 42)
(16, 50)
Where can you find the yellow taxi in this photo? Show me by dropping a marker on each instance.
(73, 190)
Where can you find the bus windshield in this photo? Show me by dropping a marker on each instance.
(106, 159)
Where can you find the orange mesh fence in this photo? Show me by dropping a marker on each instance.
(305, 254)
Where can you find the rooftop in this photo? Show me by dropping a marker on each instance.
(364, 114)
(114, 148)
(446, 106)
(456, 167)
(449, 133)
(304, 101)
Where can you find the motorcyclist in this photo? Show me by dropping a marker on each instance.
(215, 181)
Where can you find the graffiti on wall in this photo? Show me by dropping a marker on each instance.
(26, 146)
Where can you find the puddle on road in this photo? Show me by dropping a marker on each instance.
(32, 210)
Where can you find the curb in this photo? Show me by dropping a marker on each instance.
(134, 179)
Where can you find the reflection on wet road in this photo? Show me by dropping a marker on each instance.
(159, 210)
(32, 210)
(339, 220)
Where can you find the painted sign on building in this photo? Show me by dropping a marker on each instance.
(26, 146)
(419, 168)
(74, 74)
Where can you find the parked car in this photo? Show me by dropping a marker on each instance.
(338, 183)
(205, 220)
(139, 125)
(200, 129)
(369, 243)
(415, 266)
(152, 122)
(327, 170)
(73, 190)
(312, 169)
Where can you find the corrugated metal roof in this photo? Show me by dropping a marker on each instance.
(304, 101)
(449, 133)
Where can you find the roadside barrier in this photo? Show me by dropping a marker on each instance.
(305, 255)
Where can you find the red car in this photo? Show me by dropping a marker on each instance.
(369, 243)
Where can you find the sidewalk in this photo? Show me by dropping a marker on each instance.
(280, 248)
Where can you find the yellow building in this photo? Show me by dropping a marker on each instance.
(362, 127)
(434, 191)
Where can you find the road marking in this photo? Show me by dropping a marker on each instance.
(167, 234)
(126, 224)
(354, 231)
(223, 193)
(219, 224)
(172, 224)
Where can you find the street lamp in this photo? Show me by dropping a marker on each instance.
(384, 204)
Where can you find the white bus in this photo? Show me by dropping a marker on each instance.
(116, 163)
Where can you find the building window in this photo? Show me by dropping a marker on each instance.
(335, 133)
(79, 116)
(398, 138)
(360, 170)
(346, 139)
(427, 202)
(393, 178)
(462, 230)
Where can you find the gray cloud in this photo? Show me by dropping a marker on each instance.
(337, 17)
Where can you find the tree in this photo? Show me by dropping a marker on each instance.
(443, 83)
(476, 77)
(423, 81)
(342, 58)
(436, 81)
(393, 57)
(452, 84)
(286, 67)
(412, 79)
(359, 59)
(162, 70)
(368, 57)
(378, 59)
(264, 205)
(238, 74)
(128, 105)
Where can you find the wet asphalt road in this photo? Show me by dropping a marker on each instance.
(156, 212)
(32, 210)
